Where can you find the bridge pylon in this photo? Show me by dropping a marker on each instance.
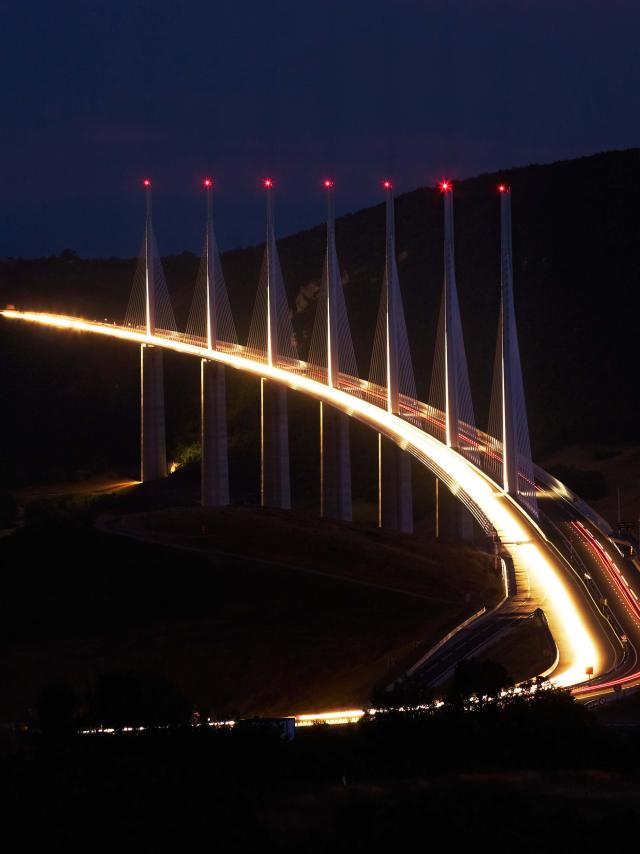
(508, 425)
(452, 418)
(153, 451)
(332, 340)
(273, 269)
(452, 354)
(275, 480)
(450, 391)
(149, 266)
(391, 369)
(213, 404)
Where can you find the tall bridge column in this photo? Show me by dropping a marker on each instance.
(213, 432)
(454, 523)
(335, 453)
(275, 484)
(153, 449)
(153, 452)
(509, 347)
(395, 498)
(335, 465)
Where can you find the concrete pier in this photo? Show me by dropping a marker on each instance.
(275, 483)
(335, 465)
(213, 433)
(454, 523)
(395, 498)
(153, 451)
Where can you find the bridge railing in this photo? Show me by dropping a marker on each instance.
(482, 449)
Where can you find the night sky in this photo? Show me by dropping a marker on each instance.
(98, 93)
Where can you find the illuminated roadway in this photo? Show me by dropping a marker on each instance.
(587, 634)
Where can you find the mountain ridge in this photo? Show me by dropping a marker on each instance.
(576, 236)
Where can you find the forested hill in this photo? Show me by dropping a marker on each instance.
(576, 233)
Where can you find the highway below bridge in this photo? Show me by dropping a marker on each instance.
(601, 574)
(564, 563)
(560, 554)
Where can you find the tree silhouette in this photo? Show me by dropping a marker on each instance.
(479, 678)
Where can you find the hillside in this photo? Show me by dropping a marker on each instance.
(576, 235)
(272, 613)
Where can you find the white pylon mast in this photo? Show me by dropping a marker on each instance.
(507, 326)
(209, 248)
(272, 314)
(333, 281)
(450, 350)
(390, 299)
(149, 280)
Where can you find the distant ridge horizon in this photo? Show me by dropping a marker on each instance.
(576, 236)
(480, 176)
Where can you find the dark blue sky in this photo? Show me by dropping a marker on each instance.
(97, 93)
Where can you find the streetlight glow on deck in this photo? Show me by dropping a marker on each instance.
(517, 531)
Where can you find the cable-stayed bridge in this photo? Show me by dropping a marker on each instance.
(490, 474)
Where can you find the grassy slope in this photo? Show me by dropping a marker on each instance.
(237, 636)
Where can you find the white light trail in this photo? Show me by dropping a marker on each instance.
(346, 716)
(516, 530)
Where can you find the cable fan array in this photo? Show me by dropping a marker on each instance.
(508, 440)
(210, 323)
(451, 418)
(449, 414)
(271, 336)
(335, 366)
(149, 308)
(391, 379)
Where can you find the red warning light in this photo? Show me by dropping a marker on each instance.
(207, 182)
(268, 182)
(146, 182)
(328, 183)
(446, 185)
(503, 188)
(388, 185)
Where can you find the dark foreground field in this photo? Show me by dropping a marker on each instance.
(542, 776)
(283, 614)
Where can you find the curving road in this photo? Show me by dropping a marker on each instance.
(548, 556)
